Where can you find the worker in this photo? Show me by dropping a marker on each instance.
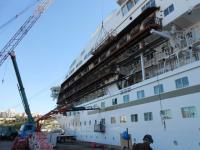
(147, 140)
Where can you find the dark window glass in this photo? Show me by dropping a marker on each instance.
(166, 12)
(136, 1)
(158, 89)
(129, 5)
(134, 118)
(171, 8)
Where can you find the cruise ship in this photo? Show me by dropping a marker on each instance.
(140, 72)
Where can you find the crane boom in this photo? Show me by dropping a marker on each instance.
(23, 30)
(21, 88)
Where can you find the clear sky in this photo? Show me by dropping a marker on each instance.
(49, 48)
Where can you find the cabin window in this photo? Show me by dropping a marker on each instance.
(124, 10)
(169, 10)
(182, 82)
(103, 105)
(85, 123)
(126, 98)
(113, 120)
(136, 1)
(90, 122)
(134, 118)
(123, 119)
(72, 63)
(87, 55)
(79, 63)
(82, 52)
(149, 4)
(129, 4)
(148, 116)
(189, 112)
(140, 94)
(103, 121)
(166, 114)
(114, 101)
(158, 89)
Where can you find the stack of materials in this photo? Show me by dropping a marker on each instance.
(39, 141)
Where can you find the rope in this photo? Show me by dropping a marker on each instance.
(160, 100)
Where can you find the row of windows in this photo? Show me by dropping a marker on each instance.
(72, 63)
(169, 10)
(187, 112)
(80, 62)
(92, 136)
(149, 4)
(158, 89)
(87, 55)
(129, 4)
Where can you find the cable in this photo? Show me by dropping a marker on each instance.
(43, 90)
(160, 99)
(102, 9)
(6, 67)
(17, 15)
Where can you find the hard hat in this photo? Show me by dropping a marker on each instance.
(148, 138)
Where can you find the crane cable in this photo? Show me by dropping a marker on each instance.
(17, 15)
(39, 92)
(6, 68)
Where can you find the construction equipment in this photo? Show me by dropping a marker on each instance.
(23, 30)
(62, 110)
(29, 127)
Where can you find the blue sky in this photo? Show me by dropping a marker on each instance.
(49, 48)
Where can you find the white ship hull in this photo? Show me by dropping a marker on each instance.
(165, 104)
(179, 133)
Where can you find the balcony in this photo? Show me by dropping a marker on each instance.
(152, 22)
(100, 128)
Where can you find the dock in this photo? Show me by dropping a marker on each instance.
(69, 145)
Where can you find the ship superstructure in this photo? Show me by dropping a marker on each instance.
(142, 72)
